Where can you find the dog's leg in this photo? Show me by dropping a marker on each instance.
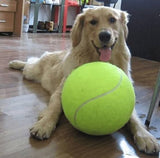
(48, 119)
(31, 68)
(17, 64)
(143, 139)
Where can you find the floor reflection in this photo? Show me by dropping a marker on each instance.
(127, 150)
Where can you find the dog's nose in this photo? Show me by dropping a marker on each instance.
(104, 36)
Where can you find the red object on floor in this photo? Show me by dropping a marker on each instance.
(69, 3)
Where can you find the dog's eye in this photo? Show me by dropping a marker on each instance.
(112, 20)
(93, 22)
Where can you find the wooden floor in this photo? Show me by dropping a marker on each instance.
(21, 101)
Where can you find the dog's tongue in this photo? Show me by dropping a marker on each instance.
(105, 54)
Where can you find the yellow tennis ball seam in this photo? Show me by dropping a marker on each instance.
(99, 96)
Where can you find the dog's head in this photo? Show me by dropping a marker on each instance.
(100, 28)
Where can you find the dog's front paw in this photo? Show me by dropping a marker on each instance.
(42, 129)
(146, 142)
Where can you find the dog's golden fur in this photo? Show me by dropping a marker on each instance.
(51, 69)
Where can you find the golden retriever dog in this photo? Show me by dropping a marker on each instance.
(98, 34)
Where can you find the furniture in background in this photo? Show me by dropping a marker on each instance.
(154, 100)
(60, 12)
(36, 10)
(68, 3)
(64, 12)
(55, 14)
(106, 3)
(11, 15)
(144, 27)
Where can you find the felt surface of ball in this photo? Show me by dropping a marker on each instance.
(98, 98)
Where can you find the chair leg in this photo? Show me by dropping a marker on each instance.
(153, 101)
(65, 18)
(36, 10)
(56, 14)
(60, 27)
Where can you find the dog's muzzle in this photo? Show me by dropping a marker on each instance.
(104, 51)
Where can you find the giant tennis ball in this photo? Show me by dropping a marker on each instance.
(98, 98)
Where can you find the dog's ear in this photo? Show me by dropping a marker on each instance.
(124, 21)
(77, 29)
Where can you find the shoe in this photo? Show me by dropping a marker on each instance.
(41, 25)
(49, 25)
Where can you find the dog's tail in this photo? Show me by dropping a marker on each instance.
(17, 64)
